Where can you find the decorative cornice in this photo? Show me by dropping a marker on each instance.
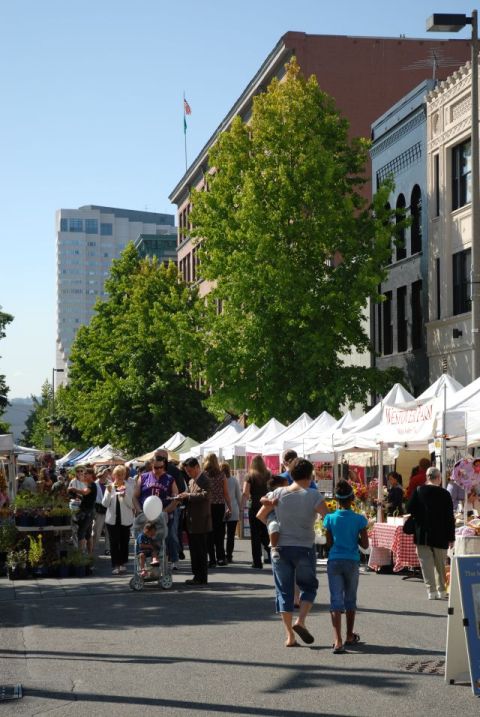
(446, 136)
(418, 119)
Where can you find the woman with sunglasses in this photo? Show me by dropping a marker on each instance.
(156, 482)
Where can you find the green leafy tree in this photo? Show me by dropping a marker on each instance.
(5, 319)
(294, 252)
(128, 380)
(38, 426)
(49, 423)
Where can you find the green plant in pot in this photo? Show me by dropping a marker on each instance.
(8, 537)
(17, 563)
(60, 514)
(35, 553)
(79, 561)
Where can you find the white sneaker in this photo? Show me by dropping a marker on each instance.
(122, 569)
(116, 571)
(432, 596)
(442, 595)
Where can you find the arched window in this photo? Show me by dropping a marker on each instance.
(400, 239)
(416, 227)
(387, 223)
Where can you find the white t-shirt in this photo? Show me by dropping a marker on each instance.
(296, 513)
(74, 503)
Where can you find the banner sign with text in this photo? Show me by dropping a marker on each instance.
(469, 579)
(407, 424)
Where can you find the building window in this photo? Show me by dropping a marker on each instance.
(379, 323)
(75, 225)
(439, 285)
(417, 315)
(106, 230)
(64, 225)
(461, 174)
(416, 226)
(436, 188)
(91, 226)
(400, 237)
(387, 324)
(461, 265)
(401, 319)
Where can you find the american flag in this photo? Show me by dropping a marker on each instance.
(186, 107)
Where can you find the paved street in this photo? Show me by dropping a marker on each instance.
(91, 646)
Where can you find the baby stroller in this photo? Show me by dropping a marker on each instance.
(160, 572)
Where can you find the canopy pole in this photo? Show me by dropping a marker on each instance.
(380, 485)
(334, 472)
(444, 437)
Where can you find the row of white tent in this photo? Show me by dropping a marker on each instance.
(399, 420)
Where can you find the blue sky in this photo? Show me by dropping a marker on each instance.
(92, 114)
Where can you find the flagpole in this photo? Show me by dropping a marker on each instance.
(185, 131)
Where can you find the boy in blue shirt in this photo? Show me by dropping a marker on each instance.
(345, 531)
(147, 547)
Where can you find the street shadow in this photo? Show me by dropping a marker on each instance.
(170, 704)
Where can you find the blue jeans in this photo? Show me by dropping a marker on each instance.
(296, 565)
(343, 584)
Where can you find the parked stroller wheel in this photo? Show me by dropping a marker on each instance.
(136, 583)
(166, 582)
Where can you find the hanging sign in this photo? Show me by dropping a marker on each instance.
(404, 424)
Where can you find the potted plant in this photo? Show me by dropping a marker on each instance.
(8, 538)
(79, 561)
(60, 515)
(35, 555)
(17, 564)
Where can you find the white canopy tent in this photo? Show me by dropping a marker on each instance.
(322, 425)
(266, 433)
(446, 385)
(172, 442)
(463, 415)
(214, 443)
(363, 433)
(321, 449)
(103, 455)
(276, 445)
(237, 446)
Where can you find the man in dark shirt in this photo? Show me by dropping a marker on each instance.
(85, 514)
(198, 520)
(432, 510)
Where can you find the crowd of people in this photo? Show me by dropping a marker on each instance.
(204, 502)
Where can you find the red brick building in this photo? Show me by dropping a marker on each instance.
(365, 75)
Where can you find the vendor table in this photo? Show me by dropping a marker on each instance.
(386, 539)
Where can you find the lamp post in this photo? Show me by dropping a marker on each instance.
(54, 371)
(441, 22)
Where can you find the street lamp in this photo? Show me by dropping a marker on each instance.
(54, 371)
(441, 22)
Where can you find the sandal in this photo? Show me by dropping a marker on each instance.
(303, 634)
(339, 650)
(355, 639)
(294, 644)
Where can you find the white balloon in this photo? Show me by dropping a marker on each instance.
(152, 507)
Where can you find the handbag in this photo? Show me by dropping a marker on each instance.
(409, 526)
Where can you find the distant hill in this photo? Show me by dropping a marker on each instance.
(16, 415)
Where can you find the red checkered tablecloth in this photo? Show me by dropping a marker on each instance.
(391, 537)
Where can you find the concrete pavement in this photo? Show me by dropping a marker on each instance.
(92, 646)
